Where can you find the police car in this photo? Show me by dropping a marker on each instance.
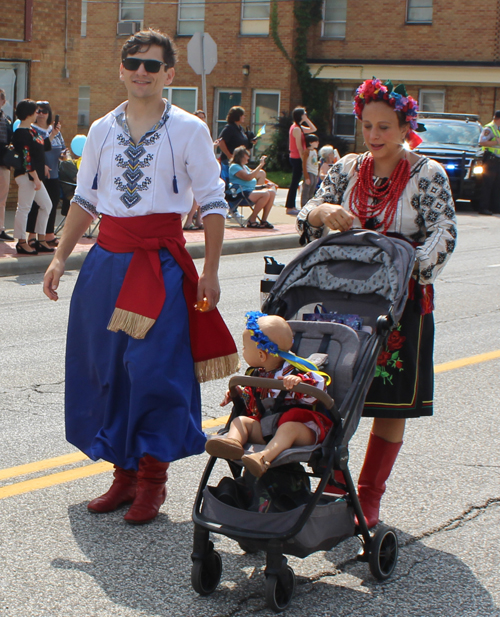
(452, 140)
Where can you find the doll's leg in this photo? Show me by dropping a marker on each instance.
(288, 434)
(230, 445)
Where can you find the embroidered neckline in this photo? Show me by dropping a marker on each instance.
(121, 119)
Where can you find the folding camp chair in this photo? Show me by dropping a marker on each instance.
(237, 200)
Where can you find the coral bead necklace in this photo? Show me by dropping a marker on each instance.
(384, 198)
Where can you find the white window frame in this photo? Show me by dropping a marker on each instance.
(121, 8)
(338, 110)
(415, 4)
(421, 97)
(83, 26)
(255, 93)
(216, 118)
(170, 89)
(324, 21)
(195, 4)
(255, 19)
(15, 84)
(81, 110)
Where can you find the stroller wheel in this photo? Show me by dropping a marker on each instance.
(280, 589)
(383, 553)
(206, 573)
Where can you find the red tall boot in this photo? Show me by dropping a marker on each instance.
(122, 491)
(333, 490)
(379, 460)
(151, 491)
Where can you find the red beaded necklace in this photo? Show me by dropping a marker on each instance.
(384, 197)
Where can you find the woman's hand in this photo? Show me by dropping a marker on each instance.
(47, 171)
(56, 129)
(38, 184)
(332, 216)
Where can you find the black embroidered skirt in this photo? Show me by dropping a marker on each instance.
(403, 385)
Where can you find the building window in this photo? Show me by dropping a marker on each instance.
(131, 10)
(83, 28)
(255, 17)
(224, 100)
(419, 12)
(191, 17)
(334, 19)
(185, 98)
(431, 100)
(344, 120)
(14, 80)
(266, 109)
(84, 106)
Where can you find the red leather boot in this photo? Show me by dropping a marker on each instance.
(379, 460)
(333, 490)
(122, 491)
(151, 491)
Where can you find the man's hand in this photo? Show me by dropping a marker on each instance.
(209, 288)
(51, 279)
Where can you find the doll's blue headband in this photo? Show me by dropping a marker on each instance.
(265, 343)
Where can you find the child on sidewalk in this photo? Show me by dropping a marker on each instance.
(266, 344)
(310, 167)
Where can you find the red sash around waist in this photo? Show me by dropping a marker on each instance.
(143, 294)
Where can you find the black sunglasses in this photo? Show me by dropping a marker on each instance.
(151, 66)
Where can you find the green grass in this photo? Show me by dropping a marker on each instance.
(281, 178)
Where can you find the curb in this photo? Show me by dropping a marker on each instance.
(30, 265)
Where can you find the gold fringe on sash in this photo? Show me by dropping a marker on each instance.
(216, 368)
(137, 326)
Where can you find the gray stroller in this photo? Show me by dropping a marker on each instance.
(355, 272)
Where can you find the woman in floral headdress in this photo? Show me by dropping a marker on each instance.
(391, 190)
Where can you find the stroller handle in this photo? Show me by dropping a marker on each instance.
(277, 384)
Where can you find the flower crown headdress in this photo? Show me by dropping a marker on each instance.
(265, 343)
(397, 97)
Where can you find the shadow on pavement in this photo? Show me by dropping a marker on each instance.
(148, 569)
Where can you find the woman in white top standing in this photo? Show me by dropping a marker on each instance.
(393, 191)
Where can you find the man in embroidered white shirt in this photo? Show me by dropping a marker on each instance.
(136, 346)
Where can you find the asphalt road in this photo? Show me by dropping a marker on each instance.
(57, 560)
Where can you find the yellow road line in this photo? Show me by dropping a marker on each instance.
(96, 468)
(55, 478)
(454, 364)
(49, 463)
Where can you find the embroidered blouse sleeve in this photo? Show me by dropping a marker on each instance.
(331, 191)
(437, 213)
(85, 195)
(204, 171)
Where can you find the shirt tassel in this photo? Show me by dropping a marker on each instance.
(217, 368)
(136, 326)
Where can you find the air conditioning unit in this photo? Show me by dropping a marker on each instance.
(126, 28)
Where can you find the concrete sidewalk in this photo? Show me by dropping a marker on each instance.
(237, 240)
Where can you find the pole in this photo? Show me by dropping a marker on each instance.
(203, 75)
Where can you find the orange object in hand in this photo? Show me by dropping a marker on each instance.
(202, 306)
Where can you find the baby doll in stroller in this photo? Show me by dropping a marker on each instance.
(274, 418)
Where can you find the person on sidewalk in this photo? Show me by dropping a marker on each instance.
(311, 166)
(489, 202)
(5, 139)
(29, 180)
(301, 127)
(143, 330)
(393, 191)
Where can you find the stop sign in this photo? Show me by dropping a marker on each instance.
(202, 53)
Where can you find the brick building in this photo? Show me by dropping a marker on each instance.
(68, 52)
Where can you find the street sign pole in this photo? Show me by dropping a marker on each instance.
(202, 57)
(203, 74)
